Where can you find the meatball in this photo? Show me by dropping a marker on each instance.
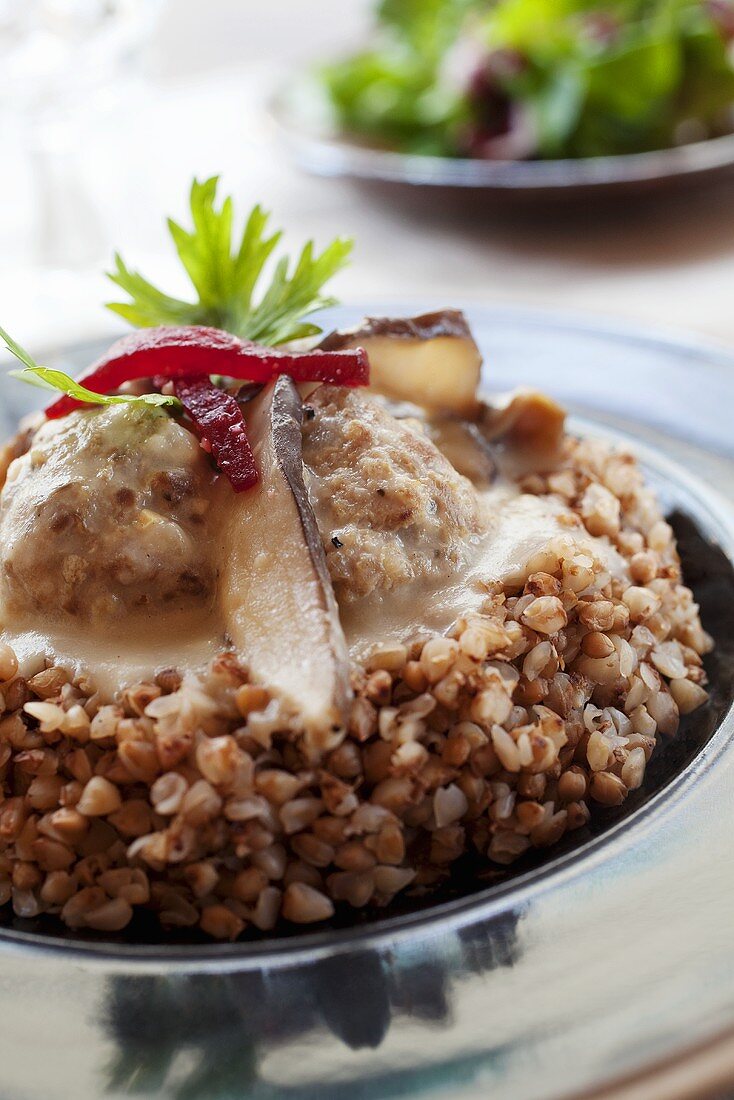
(104, 514)
(391, 508)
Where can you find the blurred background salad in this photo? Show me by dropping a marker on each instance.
(551, 79)
(111, 106)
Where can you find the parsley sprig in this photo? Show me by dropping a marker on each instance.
(227, 275)
(46, 378)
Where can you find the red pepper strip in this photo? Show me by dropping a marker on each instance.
(195, 352)
(220, 425)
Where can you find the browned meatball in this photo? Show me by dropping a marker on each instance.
(391, 508)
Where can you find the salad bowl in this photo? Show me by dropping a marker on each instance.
(297, 112)
(524, 97)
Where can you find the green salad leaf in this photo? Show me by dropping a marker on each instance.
(397, 93)
(227, 273)
(586, 77)
(615, 77)
(396, 99)
(427, 26)
(46, 378)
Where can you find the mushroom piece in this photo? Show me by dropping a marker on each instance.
(7, 457)
(515, 433)
(19, 444)
(466, 447)
(527, 424)
(275, 592)
(431, 360)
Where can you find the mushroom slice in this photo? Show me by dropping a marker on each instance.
(7, 456)
(527, 424)
(466, 447)
(19, 444)
(278, 602)
(431, 360)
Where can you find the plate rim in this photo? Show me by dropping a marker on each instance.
(325, 151)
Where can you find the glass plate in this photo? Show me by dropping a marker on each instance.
(610, 961)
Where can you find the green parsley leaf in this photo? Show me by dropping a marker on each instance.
(46, 378)
(226, 274)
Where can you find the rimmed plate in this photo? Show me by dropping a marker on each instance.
(609, 960)
(306, 126)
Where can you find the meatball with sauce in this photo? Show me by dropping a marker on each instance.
(391, 508)
(103, 515)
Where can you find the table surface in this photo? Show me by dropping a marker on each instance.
(666, 262)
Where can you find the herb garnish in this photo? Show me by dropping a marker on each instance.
(226, 274)
(227, 333)
(46, 378)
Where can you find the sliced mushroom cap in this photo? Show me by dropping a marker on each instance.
(467, 449)
(276, 595)
(528, 425)
(7, 456)
(514, 434)
(431, 360)
(19, 444)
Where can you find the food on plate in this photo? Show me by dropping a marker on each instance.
(280, 635)
(274, 576)
(527, 79)
(434, 353)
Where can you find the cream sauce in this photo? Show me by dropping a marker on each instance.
(113, 653)
(127, 654)
(518, 527)
(106, 560)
